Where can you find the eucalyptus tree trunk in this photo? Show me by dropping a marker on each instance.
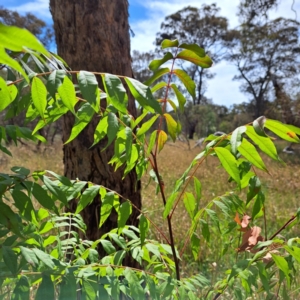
(93, 35)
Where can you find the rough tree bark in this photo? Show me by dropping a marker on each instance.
(93, 35)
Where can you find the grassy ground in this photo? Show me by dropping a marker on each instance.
(282, 188)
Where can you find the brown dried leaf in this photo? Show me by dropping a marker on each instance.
(245, 221)
(237, 218)
(250, 238)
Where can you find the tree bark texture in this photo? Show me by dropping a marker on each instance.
(93, 35)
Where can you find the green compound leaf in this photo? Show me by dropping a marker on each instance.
(194, 48)
(136, 290)
(55, 79)
(116, 93)
(229, 163)
(101, 130)
(180, 98)
(67, 93)
(106, 207)
(113, 127)
(172, 126)
(264, 143)
(143, 95)
(282, 131)
(251, 154)
(85, 114)
(282, 265)
(156, 63)
(158, 86)
(88, 85)
(68, 287)
(157, 74)
(187, 81)
(39, 95)
(169, 44)
(188, 55)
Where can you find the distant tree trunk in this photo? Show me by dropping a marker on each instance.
(93, 35)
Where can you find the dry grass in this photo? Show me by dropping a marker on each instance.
(281, 186)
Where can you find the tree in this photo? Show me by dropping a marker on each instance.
(200, 26)
(95, 36)
(263, 49)
(35, 25)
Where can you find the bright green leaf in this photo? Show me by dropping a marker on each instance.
(147, 125)
(191, 56)
(157, 74)
(67, 93)
(124, 212)
(169, 44)
(87, 197)
(194, 48)
(156, 63)
(39, 95)
(236, 138)
(228, 162)
(180, 98)
(187, 81)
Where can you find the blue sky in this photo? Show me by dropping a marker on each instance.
(145, 19)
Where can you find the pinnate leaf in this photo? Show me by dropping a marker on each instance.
(187, 81)
(39, 95)
(204, 62)
(156, 63)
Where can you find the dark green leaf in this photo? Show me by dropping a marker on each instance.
(136, 291)
(46, 289)
(88, 291)
(88, 85)
(55, 189)
(143, 227)
(44, 257)
(124, 212)
(29, 256)
(195, 245)
(116, 93)
(10, 258)
(106, 207)
(87, 197)
(23, 204)
(143, 95)
(187, 81)
(108, 246)
(85, 115)
(254, 188)
(113, 126)
(156, 63)
(22, 289)
(55, 79)
(68, 288)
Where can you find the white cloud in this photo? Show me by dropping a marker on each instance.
(221, 88)
(40, 8)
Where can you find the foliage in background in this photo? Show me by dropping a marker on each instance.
(43, 257)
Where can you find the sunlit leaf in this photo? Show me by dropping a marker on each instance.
(39, 95)
(55, 79)
(236, 138)
(172, 126)
(6, 94)
(264, 143)
(251, 154)
(67, 93)
(158, 86)
(282, 131)
(229, 163)
(156, 63)
(187, 81)
(143, 95)
(147, 125)
(101, 130)
(162, 138)
(124, 212)
(157, 74)
(152, 141)
(169, 44)
(180, 98)
(194, 48)
(204, 62)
